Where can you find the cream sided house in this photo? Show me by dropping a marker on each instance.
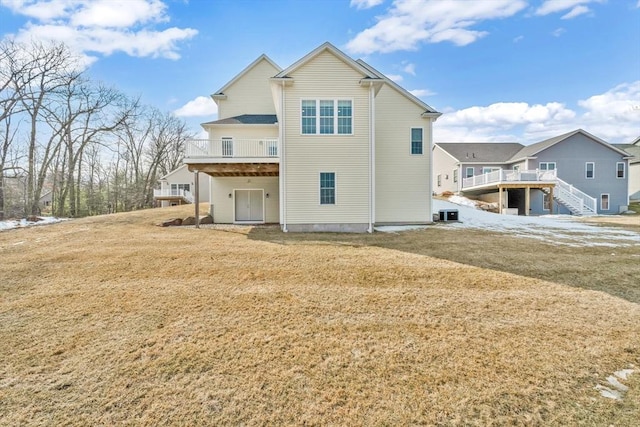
(327, 144)
(634, 167)
(574, 173)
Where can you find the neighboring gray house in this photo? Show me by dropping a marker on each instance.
(634, 167)
(574, 173)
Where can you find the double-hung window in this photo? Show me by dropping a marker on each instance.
(590, 170)
(327, 188)
(416, 141)
(547, 166)
(326, 117)
(455, 175)
(620, 170)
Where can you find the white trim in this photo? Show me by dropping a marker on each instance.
(608, 201)
(411, 140)
(624, 170)
(335, 116)
(586, 170)
(335, 189)
(283, 163)
(372, 157)
(543, 197)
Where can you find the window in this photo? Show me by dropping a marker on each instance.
(439, 180)
(177, 189)
(227, 147)
(469, 171)
(516, 168)
(455, 175)
(546, 202)
(620, 170)
(590, 170)
(547, 166)
(604, 202)
(344, 117)
(327, 188)
(416, 140)
(326, 117)
(308, 117)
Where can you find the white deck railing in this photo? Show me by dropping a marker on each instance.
(501, 175)
(232, 148)
(184, 194)
(580, 201)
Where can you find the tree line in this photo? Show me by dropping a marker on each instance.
(96, 149)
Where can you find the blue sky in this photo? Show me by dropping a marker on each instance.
(500, 70)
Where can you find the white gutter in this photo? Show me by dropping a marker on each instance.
(430, 180)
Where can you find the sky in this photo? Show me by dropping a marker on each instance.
(498, 70)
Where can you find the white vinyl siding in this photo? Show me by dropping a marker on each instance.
(250, 94)
(403, 191)
(590, 170)
(326, 77)
(620, 170)
(326, 116)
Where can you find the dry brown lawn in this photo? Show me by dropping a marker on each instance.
(114, 321)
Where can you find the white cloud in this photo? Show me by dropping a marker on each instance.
(555, 6)
(102, 26)
(395, 77)
(576, 11)
(200, 106)
(419, 93)
(558, 32)
(365, 4)
(409, 68)
(518, 39)
(408, 23)
(613, 116)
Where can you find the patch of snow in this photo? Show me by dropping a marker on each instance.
(22, 223)
(558, 229)
(623, 374)
(396, 228)
(617, 384)
(608, 393)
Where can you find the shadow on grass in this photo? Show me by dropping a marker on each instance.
(611, 270)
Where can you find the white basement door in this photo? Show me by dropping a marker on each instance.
(249, 205)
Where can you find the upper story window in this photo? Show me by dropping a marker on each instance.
(177, 189)
(620, 170)
(326, 117)
(547, 166)
(590, 170)
(416, 141)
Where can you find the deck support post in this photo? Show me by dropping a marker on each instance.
(500, 199)
(527, 200)
(551, 199)
(196, 196)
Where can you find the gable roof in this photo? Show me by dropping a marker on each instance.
(481, 152)
(247, 119)
(400, 89)
(179, 168)
(263, 57)
(534, 149)
(317, 51)
(632, 149)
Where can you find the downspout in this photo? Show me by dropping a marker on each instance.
(430, 180)
(372, 157)
(283, 168)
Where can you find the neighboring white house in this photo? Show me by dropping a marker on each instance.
(582, 173)
(327, 144)
(634, 168)
(177, 188)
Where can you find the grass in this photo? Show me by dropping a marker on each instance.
(112, 320)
